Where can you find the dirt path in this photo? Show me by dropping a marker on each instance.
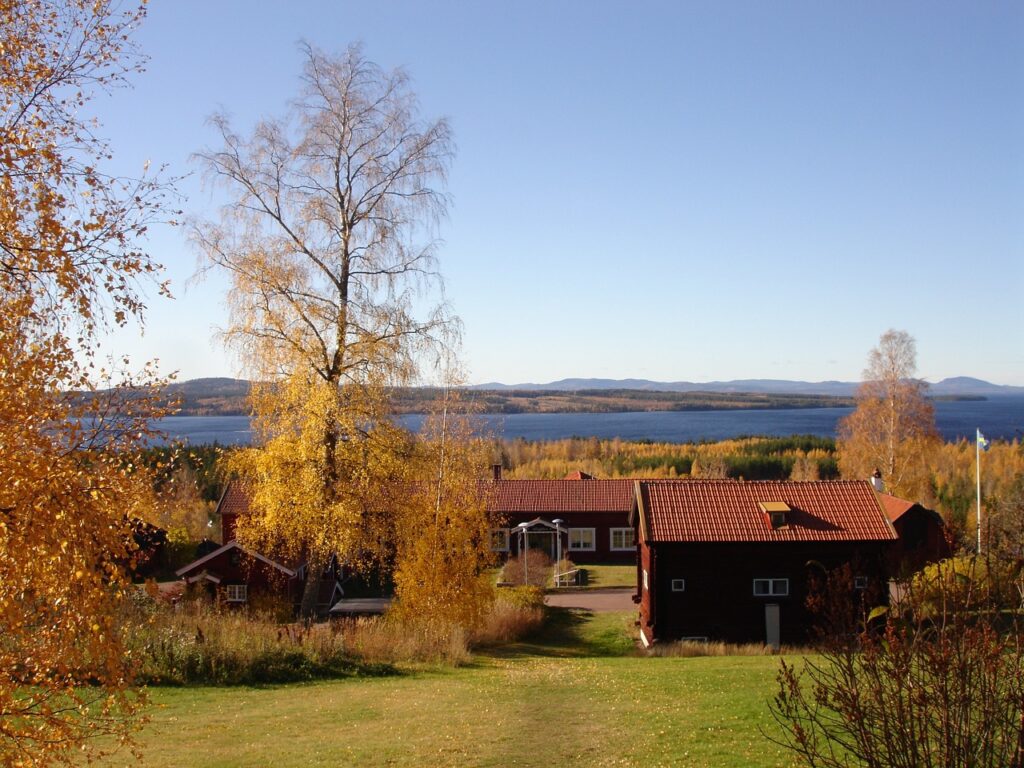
(596, 600)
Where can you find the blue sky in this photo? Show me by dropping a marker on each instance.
(672, 191)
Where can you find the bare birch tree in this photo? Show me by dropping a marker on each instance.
(327, 240)
(893, 427)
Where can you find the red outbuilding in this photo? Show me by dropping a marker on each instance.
(733, 560)
(240, 576)
(921, 531)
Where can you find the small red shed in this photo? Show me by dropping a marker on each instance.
(921, 531)
(238, 575)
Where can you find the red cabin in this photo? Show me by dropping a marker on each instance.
(732, 560)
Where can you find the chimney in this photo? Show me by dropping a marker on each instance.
(496, 469)
(876, 481)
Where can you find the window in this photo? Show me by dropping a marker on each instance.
(499, 539)
(236, 593)
(646, 586)
(623, 539)
(581, 539)
(860, 582)
(678, 585)
(771, 587)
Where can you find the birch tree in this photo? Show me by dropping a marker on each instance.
(327, 240)
(70, 265)
(893, 427)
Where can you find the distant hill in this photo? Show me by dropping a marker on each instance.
(227, 397)
(211, 397)
(952, 387)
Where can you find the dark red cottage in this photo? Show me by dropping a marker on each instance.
(732, 560)
(238, 576)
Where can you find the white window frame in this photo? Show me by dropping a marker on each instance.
(860, 582)
(593, 540)
(236, 593)
(502, 534)
(646, 582)
(678, 585)
(771, 587)
(624, 531)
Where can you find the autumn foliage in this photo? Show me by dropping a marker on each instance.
(69, 266)
(893, 428)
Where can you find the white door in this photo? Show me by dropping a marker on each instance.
(771, 625)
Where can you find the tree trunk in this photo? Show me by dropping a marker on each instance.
(315, 565)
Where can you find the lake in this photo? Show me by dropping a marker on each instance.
(997, 417)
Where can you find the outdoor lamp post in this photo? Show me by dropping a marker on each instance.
(523, 527)
(558, 551)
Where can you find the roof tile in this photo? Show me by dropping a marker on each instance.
(543, 496)
(728, 510)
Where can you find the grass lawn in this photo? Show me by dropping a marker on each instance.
(573, 695)
(600, 576)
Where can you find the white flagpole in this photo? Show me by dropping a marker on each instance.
(977, 473)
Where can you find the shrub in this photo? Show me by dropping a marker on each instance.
(936, 680)
(536, 566)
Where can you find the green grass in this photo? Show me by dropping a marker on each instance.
(601, 576)
(576, 693)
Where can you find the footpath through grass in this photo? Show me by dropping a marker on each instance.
(575, 694)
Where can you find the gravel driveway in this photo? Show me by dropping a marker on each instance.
(596, 600)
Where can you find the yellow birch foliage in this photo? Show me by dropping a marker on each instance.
(893, 427)
(310, 500)
(65, 676)
(69, 266)
(442, 530)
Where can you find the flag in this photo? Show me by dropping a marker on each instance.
(982, 442)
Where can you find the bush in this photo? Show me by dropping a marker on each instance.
(935, 680)
(536, 566)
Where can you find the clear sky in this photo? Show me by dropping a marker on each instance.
(673, 191)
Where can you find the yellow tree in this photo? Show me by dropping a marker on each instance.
(69, 266)
(326, 239)
(893, 427)
(442, 525)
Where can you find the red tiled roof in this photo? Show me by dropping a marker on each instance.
(894, 507)
(728, 510)
(234, 501)
(509, 496)
(579, 475)
(542, 496)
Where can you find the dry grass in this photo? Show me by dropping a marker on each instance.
(381, 639)
(517, 612)
(196, 642)
(697, 648)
